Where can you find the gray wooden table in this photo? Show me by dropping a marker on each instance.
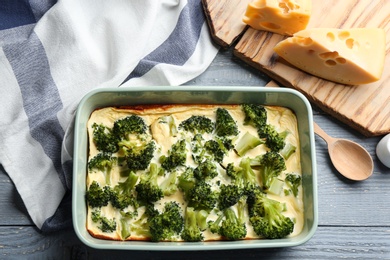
(354, 217)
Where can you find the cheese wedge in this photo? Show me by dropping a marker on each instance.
(348, 56)
(284, 17)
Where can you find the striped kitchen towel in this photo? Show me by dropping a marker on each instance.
(53, 52)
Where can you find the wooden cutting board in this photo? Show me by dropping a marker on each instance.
(365, 107)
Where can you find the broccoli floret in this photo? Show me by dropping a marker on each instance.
(147, 189)
(229, 195)
(197, 124)
(186, 181)
(293, 181)
(273, 140)
(177, 156)
(225, 124)
(243, 182)
(246, 143)
(125, 228)
(213, 149)
(271, 165)
(97, 196)
(276, 186)
(243, 176)
(233, 172)
(266, 217)
(141, 226)
(104, 163)
(106, 225)
(169, 185)
(254, 207)
(255, 115)
(95, 216)
(125, 225)
(197, 143)
(104, 138)
(206, 170)
(228, 224)
(248, 174)
(225, 142)
(217, 151)
(255, 161)
(127, 186)
(288, 150)
(121, 201)
(215, 226)
(201, 219)
(166, 225)
(200, 196)
(129, 125)
(137, 156)
(122, 196)
(233, 227)
(191, 231)
(197, 148)
(134, 147)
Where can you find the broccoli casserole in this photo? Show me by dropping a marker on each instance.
(194, 173)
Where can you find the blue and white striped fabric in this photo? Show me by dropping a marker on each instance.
(53, 53)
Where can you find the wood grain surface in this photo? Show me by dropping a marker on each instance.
(365, 107)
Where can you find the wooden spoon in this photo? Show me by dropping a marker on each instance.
(349, 158)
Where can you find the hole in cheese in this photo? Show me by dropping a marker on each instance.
(330, 36)
(341, 60)
(343, 35)
(311, 52)
(330, 63)
(304, 41)
(351, 43)
(284, 8)
(288, 6)
(329, 55)
(270, 25)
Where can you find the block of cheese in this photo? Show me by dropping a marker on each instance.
(284, 17)
(347, 56)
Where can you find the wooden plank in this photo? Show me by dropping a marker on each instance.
(364, 107)
(225, 19)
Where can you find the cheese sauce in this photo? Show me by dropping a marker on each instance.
(281, 118)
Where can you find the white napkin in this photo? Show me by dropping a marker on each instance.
(76, 46)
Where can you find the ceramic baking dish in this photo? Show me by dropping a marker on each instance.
(195, 95)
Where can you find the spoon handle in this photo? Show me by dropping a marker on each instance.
(318, 130)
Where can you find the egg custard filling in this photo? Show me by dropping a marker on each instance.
(194, 173)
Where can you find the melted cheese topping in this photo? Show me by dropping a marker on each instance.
(281, 118)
